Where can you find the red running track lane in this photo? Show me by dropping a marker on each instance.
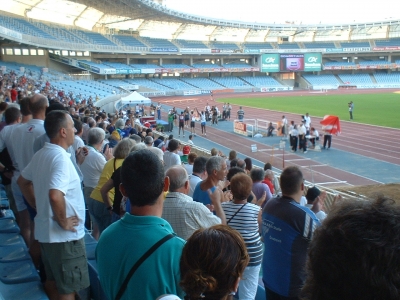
(367, 140)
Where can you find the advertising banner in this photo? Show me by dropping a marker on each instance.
(240, 128)
(269, 63)
(390, 48)
(357, 49)
(312, 62)
(127, 71)
(147, 71)
(163, 49)
(252, 50)
(194, 50)
(105, 71)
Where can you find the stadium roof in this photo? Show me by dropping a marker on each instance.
(125, 14)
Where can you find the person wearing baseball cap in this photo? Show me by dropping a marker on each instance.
(315, 202)
(185, 151)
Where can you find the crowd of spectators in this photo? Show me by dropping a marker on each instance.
(168, 220)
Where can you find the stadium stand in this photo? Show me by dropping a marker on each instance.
(23, 26)
(384, 78)
(339, 64)
(145, 66)
(225, 46)
(191, 44)
(316, 45)
(148, 84)
(175, 66)
(117, 65)
(388, 43)
(355, 44)
(95, 38)
(206, 66)
(236, 65)
(203, 83)
(115, 83)
(261, 81)
(374, 62)
(257, 46)
(356, 79)
(323, 80)
(129, 40)
(173, 83)
(230, 82)
(158, 43)
(288, 46)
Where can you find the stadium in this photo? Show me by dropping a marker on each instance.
(122, 53)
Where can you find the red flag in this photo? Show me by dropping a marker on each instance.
(331, 124)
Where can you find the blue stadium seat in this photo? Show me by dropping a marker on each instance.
(8, 226)
(11, 239)
(18, 272)
(4, 204)
(14, 253)
(8, 214)
(27, 291)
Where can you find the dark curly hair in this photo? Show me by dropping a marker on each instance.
(212, 261)
(355, 254)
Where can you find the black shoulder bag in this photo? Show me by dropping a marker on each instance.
(235, 213)
(139, 262)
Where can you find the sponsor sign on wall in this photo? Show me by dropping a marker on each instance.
(240, 128)
(312, 62)
(270, 63)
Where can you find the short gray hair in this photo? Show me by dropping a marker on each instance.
(139, 146)
(148, 140)
(177, 177)
(136, 138)
(268, 172)
(96, 135)
(123, 148)
(257, 174)
(214, 163)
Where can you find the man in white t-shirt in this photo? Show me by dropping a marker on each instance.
(284, 127)
(171, 157)
(308, 123)
(22, 145)
(199, 173)
(58, 199)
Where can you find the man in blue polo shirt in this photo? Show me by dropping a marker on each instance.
(124, 242)
(287, 229)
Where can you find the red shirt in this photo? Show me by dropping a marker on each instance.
(14, 95)
(270, 185)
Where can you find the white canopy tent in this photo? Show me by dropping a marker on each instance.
(114, 103)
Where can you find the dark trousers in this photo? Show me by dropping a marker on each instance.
(351, 115)
(302, 142)
(270, 295)
(327, 139)
(293, 141)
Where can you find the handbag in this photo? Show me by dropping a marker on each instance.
(139, 262)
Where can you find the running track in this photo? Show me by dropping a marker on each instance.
(370, 141)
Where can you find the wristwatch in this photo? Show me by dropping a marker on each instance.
(109, 208)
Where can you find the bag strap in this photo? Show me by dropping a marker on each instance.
(235, 213)
(139, 262)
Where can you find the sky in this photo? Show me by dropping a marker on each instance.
(298, 11)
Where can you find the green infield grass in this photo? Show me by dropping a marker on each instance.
(376, 109)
